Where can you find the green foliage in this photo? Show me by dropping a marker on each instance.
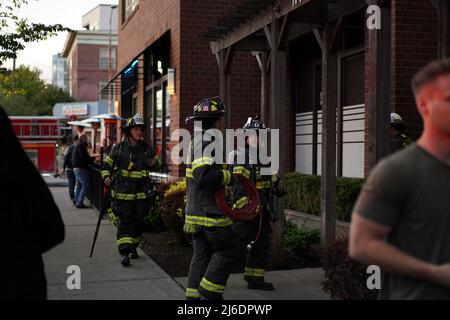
(299, 241)
(15, 32)
(153, 221)
(171, 208)
(303, 194)
(345, 279)
(24, 93)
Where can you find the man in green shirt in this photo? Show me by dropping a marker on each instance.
(401, 221)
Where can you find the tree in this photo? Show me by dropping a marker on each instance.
(24, 93)
(16, 31)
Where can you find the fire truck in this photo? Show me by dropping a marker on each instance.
(39, 137)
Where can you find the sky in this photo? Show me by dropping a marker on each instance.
(66, 12)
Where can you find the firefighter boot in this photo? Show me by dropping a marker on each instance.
(125, 260)
(259, 284)
(134, 254)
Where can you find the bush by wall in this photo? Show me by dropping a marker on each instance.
(345, 279)
(300, 241)
(303, 194)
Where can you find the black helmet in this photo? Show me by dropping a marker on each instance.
(253, 123)
(208, 108)
(136, 121)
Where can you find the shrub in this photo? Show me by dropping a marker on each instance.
(303, 194)
(299, 241)
(345, 279)
(171, 208)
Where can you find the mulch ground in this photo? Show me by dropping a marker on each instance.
(175, 258)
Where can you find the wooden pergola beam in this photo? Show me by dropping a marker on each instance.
(378, 105)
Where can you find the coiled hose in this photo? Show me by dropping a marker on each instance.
(251, 209)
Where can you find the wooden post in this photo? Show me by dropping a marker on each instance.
(444, 28)
(328, 178)
(262, 58)
(277, 121)
(225, 82)
(378, 106)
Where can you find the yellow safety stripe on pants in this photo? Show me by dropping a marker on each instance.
(112, 217)
(242, 171)
(124, 240)
(133, 174)
(200, 162)
(254, 272)
(109, 160)
(240, 203)
(212, 287)
(129, 196)
(208, 222)
(105, 173)
(136, 240)
(192, 293)
(189, 173)
(226, 177)
(262, 184)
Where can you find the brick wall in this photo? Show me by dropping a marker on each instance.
(414, 44)
(88, 74)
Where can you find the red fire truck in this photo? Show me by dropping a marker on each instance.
(39, 137)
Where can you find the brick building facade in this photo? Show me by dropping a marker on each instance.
(181, 25)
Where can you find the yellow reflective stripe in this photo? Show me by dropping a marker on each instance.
(240, 203)
(105, 173)
(124, 240)
(262, 184)
(158, 161)
(141, 195)
(241, 170)
(136, 240)
(226, 177)
(123, 196)
(133, 174)
(109, 160)
(212, 287)
(189, 173)
(200, 162)
(208, 222)
(255, 272)
(192, 293)
(112, 217)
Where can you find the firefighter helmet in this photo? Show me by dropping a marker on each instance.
(253, 123)
(136, 121)
(396, 119)
(208, 108)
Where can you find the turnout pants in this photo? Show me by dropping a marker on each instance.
(130, 223)
(257, 257)
(215, 254)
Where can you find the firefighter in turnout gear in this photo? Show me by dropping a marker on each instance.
(254, 233)
(126, 171)
(215, 245)
(398, 138)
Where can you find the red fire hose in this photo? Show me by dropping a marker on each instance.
(251, 208)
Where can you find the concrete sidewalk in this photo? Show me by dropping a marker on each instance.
(103, 277)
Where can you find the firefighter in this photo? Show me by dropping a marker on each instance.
(126, 171)
(398, 138)
(255, 233)
(215, 246)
